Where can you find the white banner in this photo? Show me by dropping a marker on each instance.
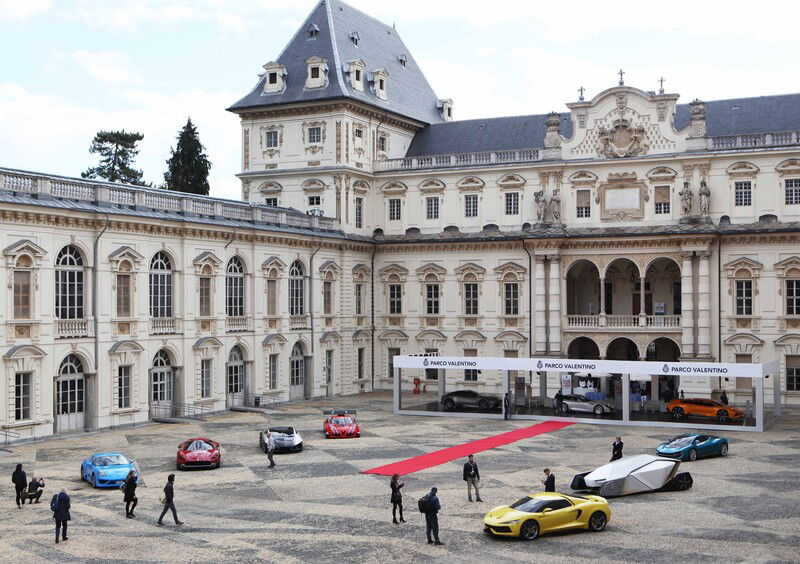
(727, 369)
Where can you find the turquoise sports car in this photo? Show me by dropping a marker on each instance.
(107, 469)
(692, 447)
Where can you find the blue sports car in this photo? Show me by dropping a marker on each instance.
(107, 469)
(692, 447)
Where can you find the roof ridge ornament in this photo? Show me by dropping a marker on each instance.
(621, 80)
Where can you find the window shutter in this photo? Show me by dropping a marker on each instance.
(584, 198)
(662, 194)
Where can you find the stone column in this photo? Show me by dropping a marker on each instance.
(602, 309)
(554, 300)
(642, 312)
(703, 307)
(539, 312)
(687, 306)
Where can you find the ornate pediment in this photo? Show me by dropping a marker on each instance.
(431, 338)
(582, 178)
(469, 183)
(510, 267)
(470, 268)
(622, 139)
(270, 188)
(400, 272)
(431, 268)
(361, 271)
(330, 337)
(742, 169)
(360, 187)
(393, 335)
(431, 185)
(469, 339)
(394, 188)
(788, 267)
(789, 167)
(206, 258)
(733, 267)
(511, 181)
(273, 266)
(313, 185)
(24, 247)
(662, 174)
(329, 266)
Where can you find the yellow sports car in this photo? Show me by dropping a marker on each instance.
(541, 513)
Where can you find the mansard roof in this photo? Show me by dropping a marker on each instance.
(379, 46)
(735, 116)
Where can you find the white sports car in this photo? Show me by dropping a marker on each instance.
(582, 404)
(634, 474)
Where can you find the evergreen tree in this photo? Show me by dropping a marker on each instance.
(117, 150)
(187, 168)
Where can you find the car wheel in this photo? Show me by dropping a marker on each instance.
(564, 409)
(722, 416)
(94, 481)
(300, 447)
(178, 466)
(692, 455)
(677, 413)
(483, 405)
(449, 404)
(683, 481)
(598, 410)
(597, 522)
(723, 450)
(529, 530)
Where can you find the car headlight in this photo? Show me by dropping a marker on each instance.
(514, 522)
(101, 473)
(215, 455)
(297, 439)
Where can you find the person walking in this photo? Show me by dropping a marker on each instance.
(20, 480)
(129, 489)
(169, 501)
(472, 477)
(35, 489)
(549, 481)
(616, 449)
(559, 401)
(723, 398)
(397, 498)
(432, 508)
(506, 405)
(60, 506)
(270, 447)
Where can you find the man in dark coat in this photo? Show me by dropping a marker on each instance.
(549, 481)
(60, 507)
(723, 398)
(472, 477)
(129, 489)
(35, 489)
(506, 405)
(559, 400)
(169, 502)
(616, 449)
(432, 517)
(20, 480)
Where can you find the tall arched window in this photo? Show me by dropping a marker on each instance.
(69, 284)
(161, 285)
(296, 289)
(235, 371)
(297, 368)
(234, 288)
(161, 376)
(70, 386)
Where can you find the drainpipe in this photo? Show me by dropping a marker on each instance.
(311, 293)
(95, 321)
(530, 299)
(372, 313)
(719, 306)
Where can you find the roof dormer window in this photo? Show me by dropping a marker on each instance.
(355, 69)
(403, 60)
(314, 72)
(358, 75)
(379, 83)
(354, 38)
(272, 78)
(317, 76)
(446, 109)
(313, 31)
(275, 78)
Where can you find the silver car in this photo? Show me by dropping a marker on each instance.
(584, 405)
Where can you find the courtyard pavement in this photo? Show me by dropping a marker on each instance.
(317, 507)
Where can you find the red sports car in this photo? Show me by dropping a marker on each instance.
(199, 453)
(341, 424)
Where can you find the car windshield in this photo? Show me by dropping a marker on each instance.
(109, 460)
(282, 430)
(530, 504)
(199, 445)
(679, 442)
(342, 421)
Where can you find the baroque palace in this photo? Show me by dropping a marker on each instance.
(372, 224)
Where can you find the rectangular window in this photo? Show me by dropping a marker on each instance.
(792, 191)
(272, 297)
(22, 396)
(360, 365)
(358, 132)
(793, 373)
(432, 207)
(205, 296)
(432, 299)
(391, 353)
(124, 387)
(272, 376)
(314, 201)
(432, 373)
(394, 209)
(22, 294)
(583, 203)
(742, 193)
(314, 134)
(395, 299)
(793, 297)
(382, 143)
(273, 78)
(327, 297)
(381, 84)
(661, 199)
(470, 374)
(271, 202)
(206, 367)
(471, 298)
(123, 295)
(359, 299)
(358, 75)
(314, 72)
(511, 298)
(512, 203)
(328, 366)
(359, 213)
(272, 139)
(471, 205)
(744, 297)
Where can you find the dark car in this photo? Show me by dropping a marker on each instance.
(470, 398)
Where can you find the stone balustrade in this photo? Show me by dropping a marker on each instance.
(754, 140)
(486, 158)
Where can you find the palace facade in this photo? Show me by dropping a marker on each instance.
(373, 224)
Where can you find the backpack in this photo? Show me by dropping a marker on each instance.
(53, 503)
(424, 504)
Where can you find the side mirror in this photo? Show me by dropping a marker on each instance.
(546, 510)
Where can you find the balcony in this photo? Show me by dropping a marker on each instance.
(754, 140)
(458, 160)
(164, 326)
(236, 324)
(298, 321)
(73, 328)
(623, 322)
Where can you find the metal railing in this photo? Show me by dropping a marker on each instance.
(483, 158)
(250, 400)
(8, 435)
(177, 411)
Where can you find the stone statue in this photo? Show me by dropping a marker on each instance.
(555, 207)
(541, 205)
(705, 199)
(686, 200)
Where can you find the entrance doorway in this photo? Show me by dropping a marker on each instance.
(70, 395)
(161, 384)
(235, 377)
(297, 372)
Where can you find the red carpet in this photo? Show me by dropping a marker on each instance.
(462, 451)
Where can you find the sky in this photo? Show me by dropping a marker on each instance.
(69, 68)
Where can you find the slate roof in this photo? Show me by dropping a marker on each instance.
(379, 46)
(723, 117)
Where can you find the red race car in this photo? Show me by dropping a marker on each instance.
(198, 453)
(341, 424)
